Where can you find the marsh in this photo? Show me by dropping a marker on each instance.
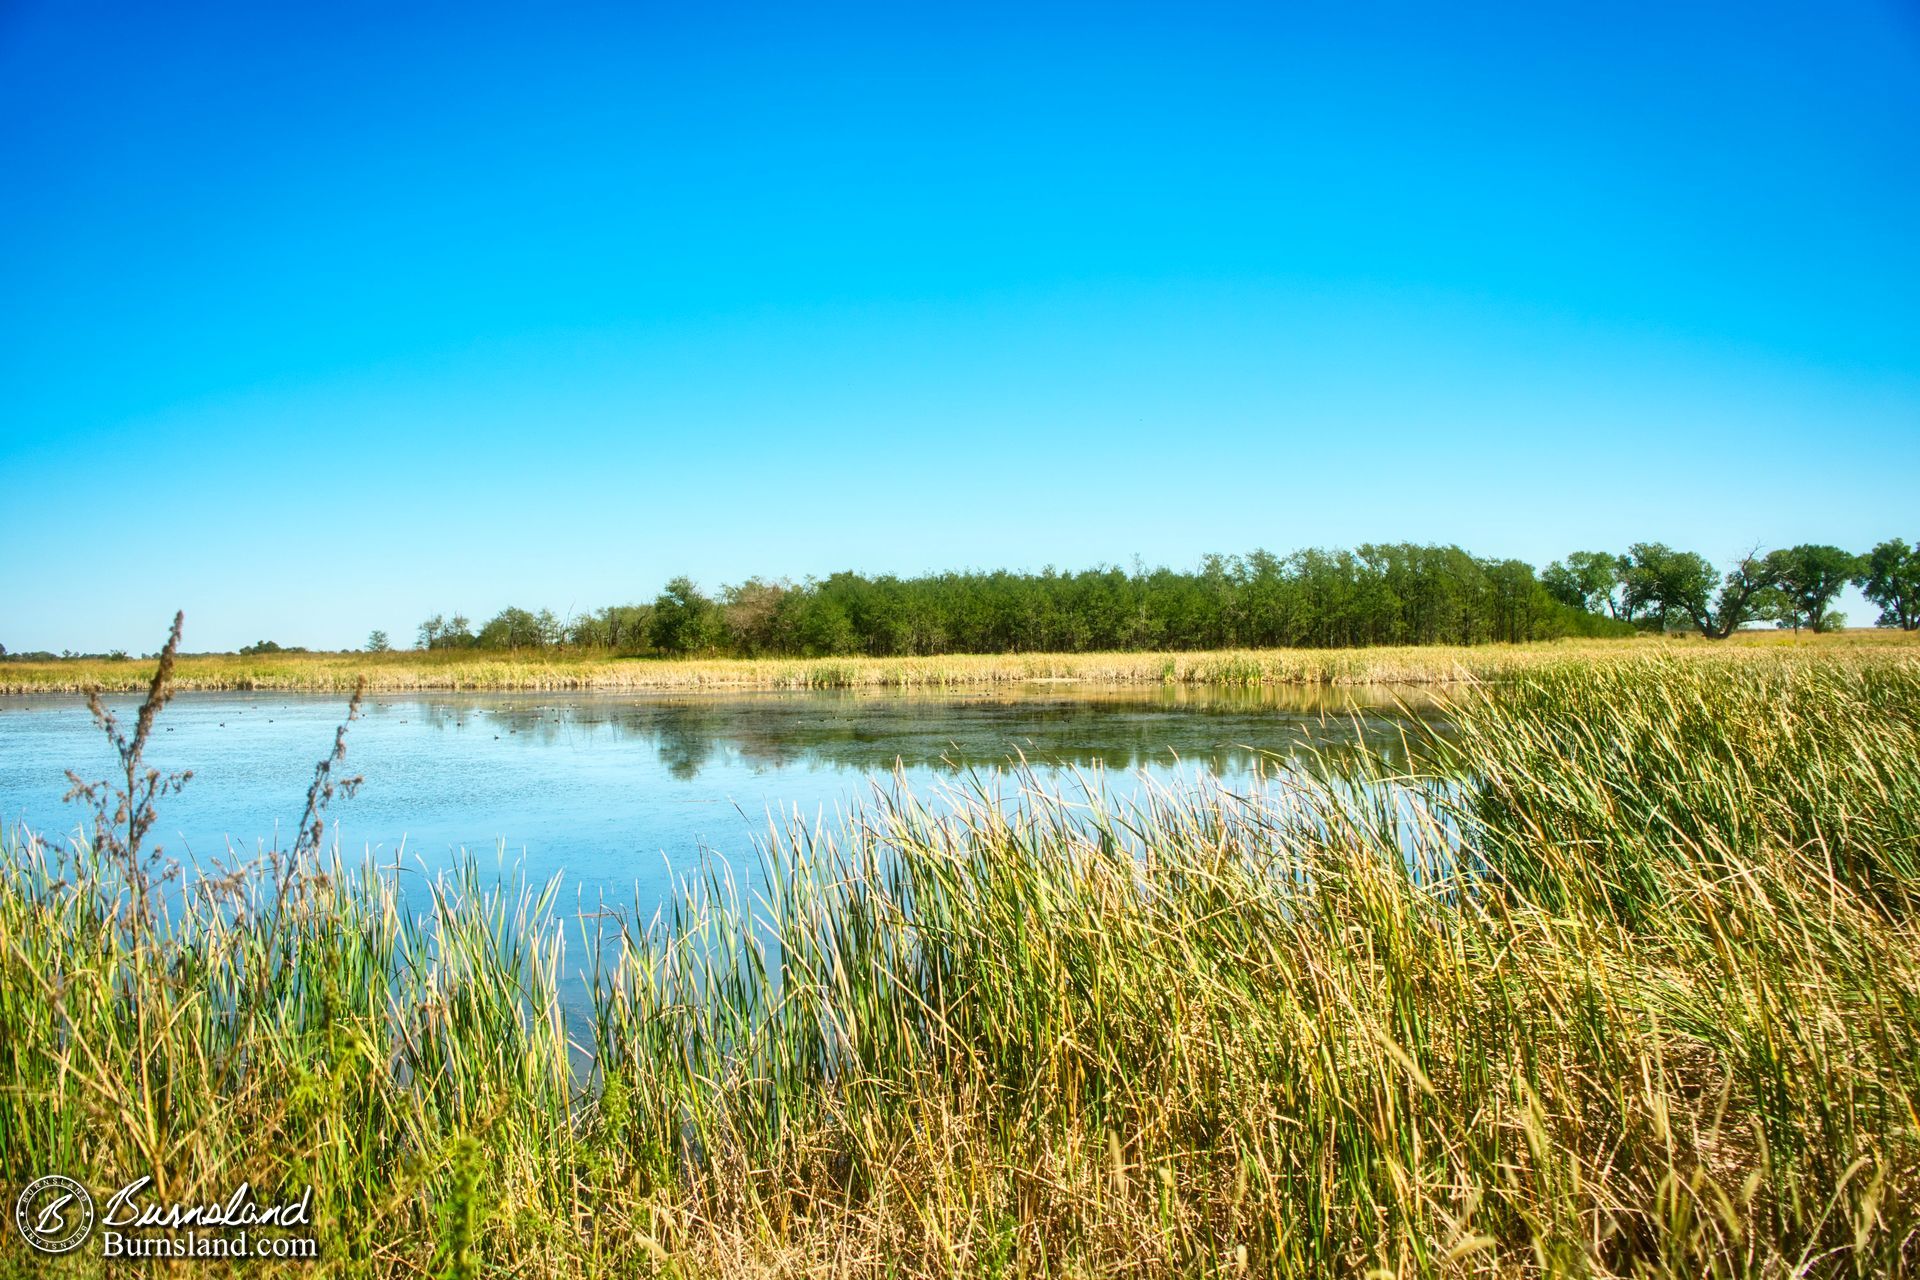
(609, 789)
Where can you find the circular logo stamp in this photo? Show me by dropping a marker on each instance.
(54, 1214)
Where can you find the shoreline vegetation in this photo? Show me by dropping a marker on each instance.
(587, 670)
(1627, 985)
(1376, 596)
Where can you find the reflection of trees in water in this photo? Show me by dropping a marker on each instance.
(685, 740)
(1227, 730)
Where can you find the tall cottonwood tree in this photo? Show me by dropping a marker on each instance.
(1588, 580)
(1889, 575)
(1738, 601)
(1807, 578)
(1673, 586)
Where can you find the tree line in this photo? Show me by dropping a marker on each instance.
(1377, 594)
(1654, 587)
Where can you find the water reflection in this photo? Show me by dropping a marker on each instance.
(614, 789)
(1117, 729)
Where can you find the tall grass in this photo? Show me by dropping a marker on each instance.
(1629, 987)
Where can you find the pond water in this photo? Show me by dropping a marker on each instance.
(614, 789)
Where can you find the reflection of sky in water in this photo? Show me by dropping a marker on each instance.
(608, 787)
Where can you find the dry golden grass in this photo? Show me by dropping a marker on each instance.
(404, 671)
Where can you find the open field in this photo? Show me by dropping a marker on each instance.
(1629, 986)
(556, 670)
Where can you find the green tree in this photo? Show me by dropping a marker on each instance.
(825, 630)
(756, 618)
(1585, 580)
(1741, 595)
(685, 621)
(1670, 585)
(377, 641)
(446, 633)
(1514, 599)
(1889, 575)
(1807, 578)
(513, 628)
(621, 627)
(629, 627)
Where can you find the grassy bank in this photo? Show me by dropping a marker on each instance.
(588, 669)
(1641, 999)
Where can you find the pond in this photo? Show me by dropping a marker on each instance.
(614, 789)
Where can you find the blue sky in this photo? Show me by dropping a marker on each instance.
(316, 319)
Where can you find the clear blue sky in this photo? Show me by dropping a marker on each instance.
(320, 318)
